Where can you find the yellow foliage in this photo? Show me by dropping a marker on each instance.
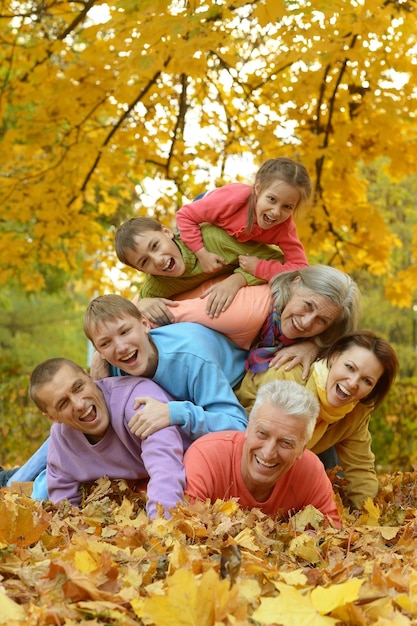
(189, 601)
(290, 608)
(94, 103)
(325, 600)
(11, 613)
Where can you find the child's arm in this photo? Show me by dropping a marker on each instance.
(152, 416)
(248, 263)
(162, 455)
(294, 254)
(222, 294)
(99, 368)
(209, 261)
(156, 310)
(224, 206)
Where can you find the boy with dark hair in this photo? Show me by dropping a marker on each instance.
(173, 271)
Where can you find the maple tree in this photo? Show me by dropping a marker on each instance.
(99, 99)
(108, 564)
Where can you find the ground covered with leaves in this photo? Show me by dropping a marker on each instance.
(108, 564)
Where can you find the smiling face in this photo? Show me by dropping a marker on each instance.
(352, 375)
(275, 203)
(156, 253)
(274, 441)
(71, 397)
(307, 313)
(124, 342)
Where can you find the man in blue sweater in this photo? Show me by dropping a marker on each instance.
(196, 365)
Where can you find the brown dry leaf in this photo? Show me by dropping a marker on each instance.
(109, 564)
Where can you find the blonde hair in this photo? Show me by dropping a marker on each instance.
(108, 308)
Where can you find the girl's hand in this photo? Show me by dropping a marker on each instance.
(209, 261)
(303, 353)
(156, 310)
(248, 263)
(152, 416)
(222, 294)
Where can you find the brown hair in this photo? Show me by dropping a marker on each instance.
(125, 235)
(287, 170)
(44, 373)
(383, 352)
(108, 307)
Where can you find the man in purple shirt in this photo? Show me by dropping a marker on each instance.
(90, 436)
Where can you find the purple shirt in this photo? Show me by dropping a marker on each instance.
(72, 459)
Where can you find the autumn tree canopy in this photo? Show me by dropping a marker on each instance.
(98, 98)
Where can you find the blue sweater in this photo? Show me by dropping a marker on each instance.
(199, 367)
(196, 365)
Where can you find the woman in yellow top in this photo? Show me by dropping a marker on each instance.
(350, 383)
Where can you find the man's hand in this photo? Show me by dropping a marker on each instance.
(222, 294)
(248, 263)
(209, 261)
(303, 353)
(156, 310)
(152, 416)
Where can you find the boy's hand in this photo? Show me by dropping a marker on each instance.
(156, 310)
(152, 416)
(209, 261)
(221, 295)
(303, 353)
(99, 368)
(248, 263)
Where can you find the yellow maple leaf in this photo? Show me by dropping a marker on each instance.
(84, 562)
(309, 516)
(10, 612)
(304, 546)
(413, 591)
(372, 515)
(246, 539)
(326, 599)
(290, 608)
(191, 600)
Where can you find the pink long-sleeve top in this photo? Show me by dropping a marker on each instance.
(227, 207)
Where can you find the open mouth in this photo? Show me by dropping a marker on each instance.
(130, 358)
(297, 326)
(264, 463)
(89, 415)
(169, 266)
(342, 393)
(268, 220)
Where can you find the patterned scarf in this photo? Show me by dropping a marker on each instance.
(270, 341)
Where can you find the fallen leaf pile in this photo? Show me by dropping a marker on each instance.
(106, 563)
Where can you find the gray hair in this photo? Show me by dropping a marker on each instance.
(326, 281)
(291, 398)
